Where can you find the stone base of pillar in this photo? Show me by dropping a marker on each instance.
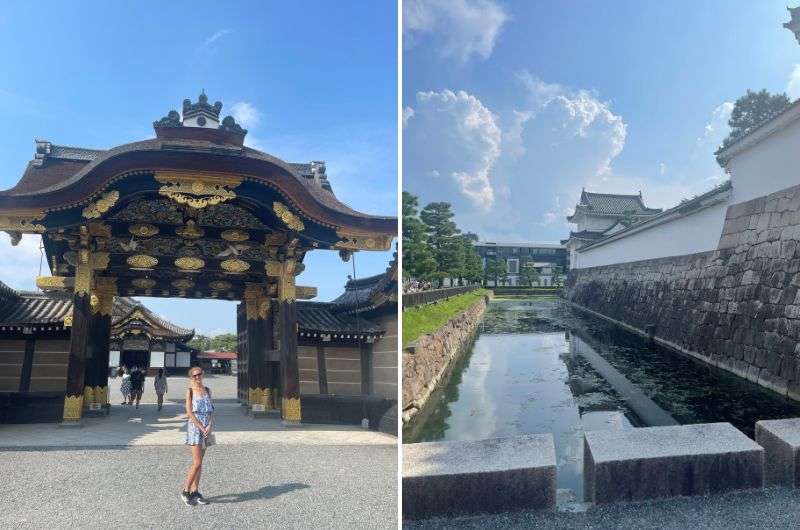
(291, 411)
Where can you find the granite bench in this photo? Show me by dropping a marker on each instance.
(661, 462)
(482, 476)
(781, 441)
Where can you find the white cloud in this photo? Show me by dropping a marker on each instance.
(717, 128)
(20, 265)
(408, 113)
(793, 86)
(245, 114)
(454, 140)
(458, 28)
(662, 168)
(217, 35)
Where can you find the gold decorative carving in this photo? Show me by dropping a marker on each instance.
(72, 407)
(284, 272)
(143, 283)
(189, 263)
(235, 266)
(83, 279)
(363, 241)
(254, 302)
(94, 304)
(305, 293)
(99, 260)
(197, 190)
(23, 221)
(101, 395)
(220, 285)
(291, 409)
(88, 396)
(286, 215)
(54, 283)
(183, 284)
(105, 291)
(99, 229)
(143, 230)
(142, 261)
(257, 396)
(68, 321)
(190, 230)
(235, 236)
(102, 205)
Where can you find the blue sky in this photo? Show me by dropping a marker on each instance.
(511, 107)
(310, 80)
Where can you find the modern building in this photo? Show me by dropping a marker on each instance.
(546, 259)
(599, 215)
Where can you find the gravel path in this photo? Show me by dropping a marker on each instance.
(250, 486)
(777, 508)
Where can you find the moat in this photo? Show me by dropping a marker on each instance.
(540, 366)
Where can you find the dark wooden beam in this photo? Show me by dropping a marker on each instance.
(27, 366)
(366, 369)
(322, 370)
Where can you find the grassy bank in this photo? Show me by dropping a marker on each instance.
(424, 319)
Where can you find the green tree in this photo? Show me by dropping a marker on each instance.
(751, 110)
(557, 276)
(443, 239)
(473, 266)
(200, 342)
(527, 273)
(495, 268)
(224, 342)
(418, 258)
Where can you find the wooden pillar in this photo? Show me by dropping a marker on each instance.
(95, 390)
(287, 337)
(79, 339)
(322, 370)
(366, 368)
(257, 309)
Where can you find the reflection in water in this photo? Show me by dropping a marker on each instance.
(535, 368)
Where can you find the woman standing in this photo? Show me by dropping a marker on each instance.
(126, 387)
(160, 384)
(198, 429)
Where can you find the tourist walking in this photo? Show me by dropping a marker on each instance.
(198, 433)
(137, 383)
(160, 385)
(126, 387)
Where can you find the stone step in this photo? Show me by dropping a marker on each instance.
(781, 441)
(661, 462)
(448, 479)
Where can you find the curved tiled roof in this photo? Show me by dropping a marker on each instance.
(322, 317)
(25, 308)
(367, 293)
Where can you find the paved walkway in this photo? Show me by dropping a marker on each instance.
(126, 470)
(772, 508)
(127, 425)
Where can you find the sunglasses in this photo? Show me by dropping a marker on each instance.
(199, 375)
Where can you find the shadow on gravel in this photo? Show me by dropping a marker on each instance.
(267, 492)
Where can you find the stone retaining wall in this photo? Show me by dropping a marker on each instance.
(427, 360)
(737, 307)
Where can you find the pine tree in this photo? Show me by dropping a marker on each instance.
(419, 261)
(751, 110)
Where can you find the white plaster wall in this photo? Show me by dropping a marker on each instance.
(770, 166)
(698, 232)
(595, 224)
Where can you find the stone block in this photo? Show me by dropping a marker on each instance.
(662, 462)
(483, 476)
(781, 442)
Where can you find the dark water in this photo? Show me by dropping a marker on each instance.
(536, 366)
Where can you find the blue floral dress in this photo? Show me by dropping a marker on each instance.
(202, 408)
